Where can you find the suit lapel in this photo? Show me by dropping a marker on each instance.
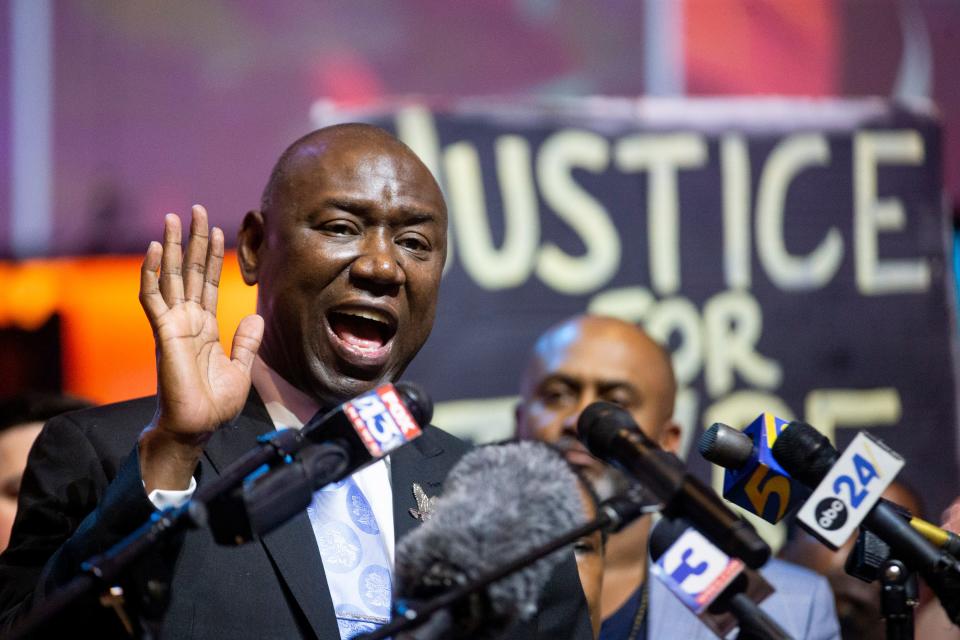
(292, 548)
(408, 465)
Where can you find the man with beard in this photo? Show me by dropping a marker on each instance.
(586, 359)
(347, 249)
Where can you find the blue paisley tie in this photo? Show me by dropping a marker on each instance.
(354, 557)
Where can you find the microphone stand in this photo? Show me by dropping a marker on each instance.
(614, 514)
(103, 572)
(898, 597)
(870, 560)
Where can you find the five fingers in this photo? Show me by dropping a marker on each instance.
(168, 277)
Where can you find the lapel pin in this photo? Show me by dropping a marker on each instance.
(425, 504)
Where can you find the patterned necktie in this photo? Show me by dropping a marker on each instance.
(354, 557)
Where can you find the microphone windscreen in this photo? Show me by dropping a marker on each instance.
(600, 423)
(805, 453)
(499, 502)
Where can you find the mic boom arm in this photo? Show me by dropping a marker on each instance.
(614, 514)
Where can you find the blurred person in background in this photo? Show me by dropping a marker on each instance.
(21, 418)
(589, 358)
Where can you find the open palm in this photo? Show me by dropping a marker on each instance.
(199, 386)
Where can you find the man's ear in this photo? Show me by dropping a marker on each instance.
(249, 241)
(669, 438)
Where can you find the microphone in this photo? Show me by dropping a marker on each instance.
(499, 502)
(736, 452)
(718, 589)
(353, 435)
(611, 434)
(810, 458)
(754, 480)
(327, 449)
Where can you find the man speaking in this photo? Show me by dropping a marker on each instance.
(347, 250)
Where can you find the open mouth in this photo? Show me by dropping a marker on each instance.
(362, 337)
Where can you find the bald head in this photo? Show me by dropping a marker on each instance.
(605, 348)
(590, 358)
(304, 152)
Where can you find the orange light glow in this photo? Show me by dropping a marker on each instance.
(107, 346)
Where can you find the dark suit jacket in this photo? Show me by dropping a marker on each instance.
(82, 493)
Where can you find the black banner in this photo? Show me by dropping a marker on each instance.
(792, 254)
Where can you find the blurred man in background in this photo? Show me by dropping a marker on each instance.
(586, 359)
(21, 418)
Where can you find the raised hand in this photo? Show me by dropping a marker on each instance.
(199, 387)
